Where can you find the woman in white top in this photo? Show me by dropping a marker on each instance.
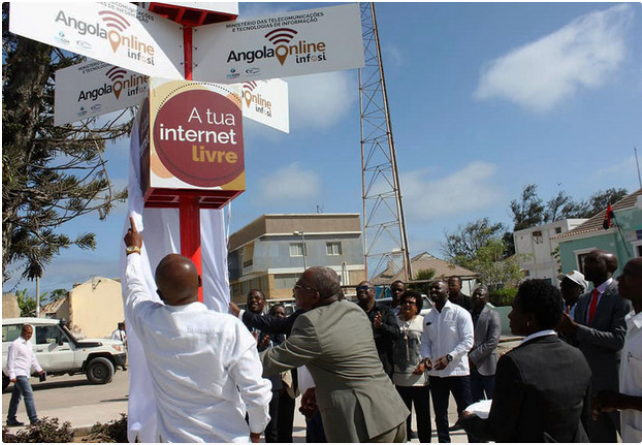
(409, 376)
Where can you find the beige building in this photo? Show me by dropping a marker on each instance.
(10, 308)
(272, 252)
(93, 308)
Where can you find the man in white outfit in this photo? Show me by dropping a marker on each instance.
(205, 367)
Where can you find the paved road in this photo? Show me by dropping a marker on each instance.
(77, 401)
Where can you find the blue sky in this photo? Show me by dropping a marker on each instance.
(484, 99)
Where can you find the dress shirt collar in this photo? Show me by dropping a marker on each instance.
(602, 287)
(544, 333)
(448, 306)
(634, 319)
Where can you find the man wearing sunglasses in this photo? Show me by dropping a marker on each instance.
(384, 326)
(357, 401)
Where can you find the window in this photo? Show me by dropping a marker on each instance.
(296, 249)
(558, 230)
(285, 281)
(11, 332)
(333, 248)
(248, 255)
(537, 237)
(49, 334)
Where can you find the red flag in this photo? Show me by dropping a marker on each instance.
(608, 223)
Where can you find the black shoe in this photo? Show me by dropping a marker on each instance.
(413, 435)
(14, 423)
(455, 427)
(124, 368)
(36, 421)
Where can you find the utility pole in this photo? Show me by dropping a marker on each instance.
(384, 228)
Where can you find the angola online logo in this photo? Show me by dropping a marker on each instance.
(133, 85)
(113, 29)
(253, 98)
(284, 47)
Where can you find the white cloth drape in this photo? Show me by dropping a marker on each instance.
(161, 236)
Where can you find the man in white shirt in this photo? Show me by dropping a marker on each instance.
(204, 365)
(120, 334)
(629, 399)
(445, 343)
(20, 359)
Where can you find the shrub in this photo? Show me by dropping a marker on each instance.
(503, 297)
(111, 432)
(47, 431)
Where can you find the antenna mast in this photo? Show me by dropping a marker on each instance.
(384, 228)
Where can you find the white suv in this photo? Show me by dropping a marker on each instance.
(59, 352)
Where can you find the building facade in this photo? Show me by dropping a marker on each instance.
(624, 238)
(272, 252)
(536, 248)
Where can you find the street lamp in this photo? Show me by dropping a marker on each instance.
(302, 235)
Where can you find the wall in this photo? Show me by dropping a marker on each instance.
(10, 308)
(96, 308)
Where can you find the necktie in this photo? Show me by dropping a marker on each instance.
(593, 305)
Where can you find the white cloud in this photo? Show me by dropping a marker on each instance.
(582, 54)
(290, 183)
(320, 100)
(393, 55)
(427, 199)
(626, 166)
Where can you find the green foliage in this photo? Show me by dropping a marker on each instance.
(45, 431)
(26, 304)
(502, 297)
(468, 239)
(423, 275)
(50, 174)
(492, 268)
(111, 432)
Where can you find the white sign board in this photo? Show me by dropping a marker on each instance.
(95, 88)
(231, 8)
(121, 34)
(266, 102)
(283, 45)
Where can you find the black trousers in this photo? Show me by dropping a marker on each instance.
(441, 387)
(285, 417)
(420, 397)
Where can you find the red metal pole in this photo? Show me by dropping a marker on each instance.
(189, 210)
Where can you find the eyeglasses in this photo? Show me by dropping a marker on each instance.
(364, 288)
(300, 286)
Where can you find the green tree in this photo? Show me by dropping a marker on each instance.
(26, 304)
(50, 175)
(480, 247)
(466, 241)
(423, 275)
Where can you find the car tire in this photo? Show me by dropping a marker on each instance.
(5, 381)
(100, 370)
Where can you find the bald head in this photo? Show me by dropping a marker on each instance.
(177, 280)
(599, 266)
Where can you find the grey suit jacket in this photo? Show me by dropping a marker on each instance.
(487, 332)
(602, 340)
(356, 398)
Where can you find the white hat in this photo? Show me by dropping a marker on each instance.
(575, 276)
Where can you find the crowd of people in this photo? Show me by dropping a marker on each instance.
(360, 369)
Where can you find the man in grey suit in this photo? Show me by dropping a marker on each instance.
(599, 329)
(334, 339)
(483, 357)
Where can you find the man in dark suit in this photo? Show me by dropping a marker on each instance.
(384, 325)
(456, 296)
(357, 400)
(542, 387)
(599, 329)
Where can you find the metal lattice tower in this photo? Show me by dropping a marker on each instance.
(384, 228)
